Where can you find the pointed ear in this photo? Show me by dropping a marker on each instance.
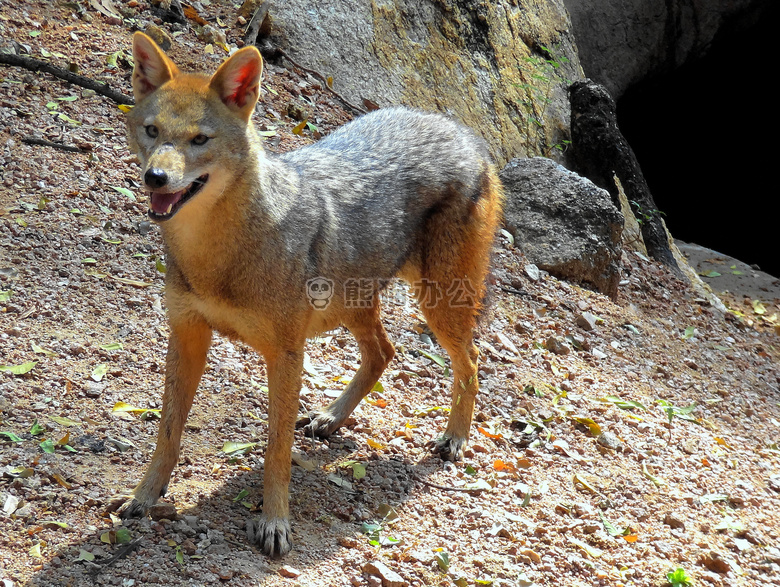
(152, 67)
(237, 81)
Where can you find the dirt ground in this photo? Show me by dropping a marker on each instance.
(614, 441)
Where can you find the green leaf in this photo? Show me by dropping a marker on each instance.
(623, 404)
(56, 523)
(710, 274)
(238, 448)
(678, 578)
(179, 555)
(19, 369)
(689, 333)
(10, 436)
(442, 559)
(440, 361)
(125, 192)
(123, 536)
(358, 469)
(85, 556)
(112, 346)
(99, 372)
(62, 421)
(158, 263)
(64, 117)
(758, 307)
(241, 495)
(6, 295)
(36, 428)
(42, 351)
(47, 446)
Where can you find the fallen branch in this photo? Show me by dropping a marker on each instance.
(36, 65)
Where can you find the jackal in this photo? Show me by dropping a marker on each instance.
(263, 248)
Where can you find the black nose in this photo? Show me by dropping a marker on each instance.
(155, 178)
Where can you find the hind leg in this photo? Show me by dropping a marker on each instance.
(454, 264)
(454, 328)
(376, 352)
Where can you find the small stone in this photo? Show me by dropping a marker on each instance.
(532, 271)
(532, 555)
(586, 321)
(160, 511)
(389, 577)
(188, 547)
(288, 571)
(557, 346)
(715, 562)
(609, 440)
(674, 522)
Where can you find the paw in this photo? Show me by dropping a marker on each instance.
(273, 535)
(318, 424)
(127, 507)
(448, 447)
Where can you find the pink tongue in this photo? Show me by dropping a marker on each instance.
(161, 202)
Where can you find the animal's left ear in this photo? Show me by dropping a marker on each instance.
(237, 81)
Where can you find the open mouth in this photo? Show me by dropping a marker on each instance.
(163, 205)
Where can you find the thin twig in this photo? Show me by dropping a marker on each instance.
(36, 65)
(119, 554)
(448, 487)
(315, 73)
(45, 143)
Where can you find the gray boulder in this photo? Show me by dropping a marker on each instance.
(563, 223)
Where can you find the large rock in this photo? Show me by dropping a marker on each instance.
(622, 43)
(603, 155)
(487, 62)
(563, 223)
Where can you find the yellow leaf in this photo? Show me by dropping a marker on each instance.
(298, 129)
(125, 107)
(375, 444)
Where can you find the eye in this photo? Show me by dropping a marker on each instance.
(200, 140)
(152, 131)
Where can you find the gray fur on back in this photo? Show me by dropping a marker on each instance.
(358, 197)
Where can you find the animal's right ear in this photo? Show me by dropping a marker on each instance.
(152, 67)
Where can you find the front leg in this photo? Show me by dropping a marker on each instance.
(271, 532)
(187, 347)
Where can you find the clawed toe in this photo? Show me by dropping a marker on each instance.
(318, 424)
(273, 536)
(449, 448)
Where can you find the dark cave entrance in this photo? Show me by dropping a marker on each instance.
(705, 138)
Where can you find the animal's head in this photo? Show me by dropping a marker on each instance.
(190, 131)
